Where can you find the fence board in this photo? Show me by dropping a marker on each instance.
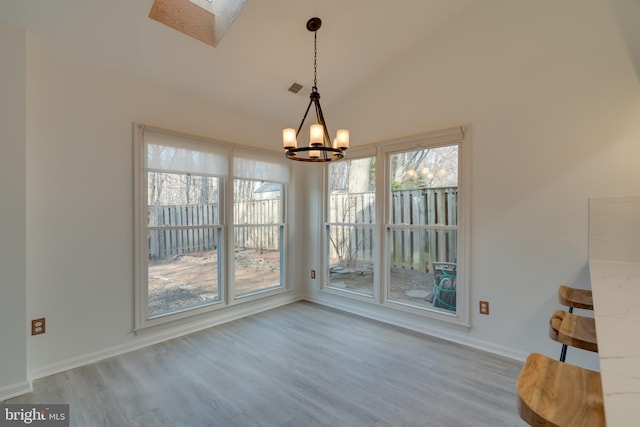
(409, 248)
(172, 241)
(257, 226)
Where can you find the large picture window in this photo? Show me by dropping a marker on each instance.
(399, 217)
(187, 260)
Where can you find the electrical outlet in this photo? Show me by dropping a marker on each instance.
(38, 326)
(484, 307)
(313, 274)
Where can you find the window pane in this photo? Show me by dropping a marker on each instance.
(257, 258)
(352, 191)
(351, 258)
(182, 246)
(424, 186)
(183, 191)
(258, 232)
(350, 235)
(183, 277)
(423, 267)
(423, 254)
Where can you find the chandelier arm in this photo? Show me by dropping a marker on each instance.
(320, 118)
(324, 132)
(304, 118)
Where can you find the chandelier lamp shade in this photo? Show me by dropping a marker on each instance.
(321, 148)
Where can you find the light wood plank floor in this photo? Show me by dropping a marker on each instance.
(299, 365)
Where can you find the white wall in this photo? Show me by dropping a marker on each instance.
(551, 94)
(13, 328)
(80, 202)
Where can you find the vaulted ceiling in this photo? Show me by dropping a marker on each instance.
(265, 50)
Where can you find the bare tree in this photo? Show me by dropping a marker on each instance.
(426, 168)
(351, 185)
(360, 179)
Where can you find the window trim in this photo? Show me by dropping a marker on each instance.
(282, 228)
(441, 138)
(323, 283)
(141, 322)
(455, 135)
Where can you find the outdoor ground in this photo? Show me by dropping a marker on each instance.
(407, 285)
(190, 280)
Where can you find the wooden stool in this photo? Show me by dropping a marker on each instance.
(573, 297)
(571, 329)
(556, 394)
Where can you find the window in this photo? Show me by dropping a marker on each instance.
(185, 187)
(258, 233)
(422, 227)
(415, 241)
(258, 221)
(184, 238)
(350, 228)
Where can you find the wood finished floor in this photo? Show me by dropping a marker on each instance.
(299, 365)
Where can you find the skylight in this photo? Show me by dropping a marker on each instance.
(204, 20)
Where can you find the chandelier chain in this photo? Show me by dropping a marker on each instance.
(315, 59)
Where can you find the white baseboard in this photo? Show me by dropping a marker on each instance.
(434, 328)
(144, 340)
(13, 390)
(394, 317)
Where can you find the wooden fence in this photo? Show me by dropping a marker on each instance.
(417, 248)
(183, 229)
(351, 245)
(413, 246)
(257, 224)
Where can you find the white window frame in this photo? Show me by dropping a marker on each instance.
(281, 247)
(354, 154)
(458, 135)
(227, 298)
(240, 157)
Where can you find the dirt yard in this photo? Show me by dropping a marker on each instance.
(191, 280)
(407, 285)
